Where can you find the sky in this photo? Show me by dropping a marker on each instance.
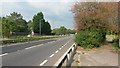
(57, 12)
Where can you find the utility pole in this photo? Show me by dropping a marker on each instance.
(40, 27)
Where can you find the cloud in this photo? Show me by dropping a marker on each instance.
(50, 0)
(57, 13)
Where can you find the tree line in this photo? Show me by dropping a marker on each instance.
(14, 23)
(62, 31)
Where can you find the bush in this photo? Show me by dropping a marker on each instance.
(115, 44)
(89, 38)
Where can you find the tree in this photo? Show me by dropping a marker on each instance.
(5, 28)
(69, 31)
(30, 26)
(0, 27)
(16, 22)
(96, 15)
(13, 23)
(62, 31)
(39, 24)
(56, 31)
(46, 30)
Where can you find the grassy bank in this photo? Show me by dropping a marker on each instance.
(20, 39)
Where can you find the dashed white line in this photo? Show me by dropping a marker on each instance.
(30, 47)
(60, 48)
(43, 62)
(3, 54)
(52, 55)
(57, 51)
(40, 45)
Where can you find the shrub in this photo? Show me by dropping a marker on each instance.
(89, 38)
(115, 44)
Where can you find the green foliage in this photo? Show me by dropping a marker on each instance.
(39, 24)
(89, 38)
(13, 23)
(62, 31)
(19, 39)
(46, 29)
(69, 31)
(29, 26)
(115, 44)
(5, 28)
(16, 22)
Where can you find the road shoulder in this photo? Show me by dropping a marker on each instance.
(103, 56)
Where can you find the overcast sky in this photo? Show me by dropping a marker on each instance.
(57, 12)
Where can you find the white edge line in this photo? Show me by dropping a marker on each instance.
(43, 62)
(52, 55)
(59, 60)
(3, 54)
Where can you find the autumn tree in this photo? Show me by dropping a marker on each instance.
(96, 15)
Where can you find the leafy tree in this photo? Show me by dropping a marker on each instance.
(62, 31)
(69, 31)
(16, 22)
(5, 28)
(39, 24)
(0, 27)
(56, 31)
(13, 23)
(46, 30)
(30, 26)
(96, 15)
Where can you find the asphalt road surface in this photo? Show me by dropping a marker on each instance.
(37, 53)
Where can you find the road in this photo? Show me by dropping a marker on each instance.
(42, 54)
(16, 47)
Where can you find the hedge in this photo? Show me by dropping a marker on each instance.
(89, 38)
(115, 44)
(19, 39)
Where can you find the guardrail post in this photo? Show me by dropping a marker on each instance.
(68, 59)
(72, 49)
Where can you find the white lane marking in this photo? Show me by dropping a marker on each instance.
(34, 46)
(52, 55)
(30, 47)
(39, 45)
(3, 54)
(51, 42)
(57, 51)
(60, 48)
(43, 62)
(89, 65)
